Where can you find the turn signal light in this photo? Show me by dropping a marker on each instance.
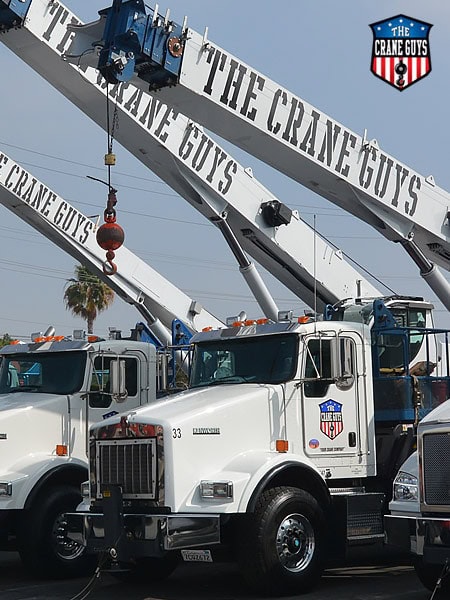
(61, 450)
(48, 338)
(282, 445)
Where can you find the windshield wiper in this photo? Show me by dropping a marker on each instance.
(229, 379)
(25, 388)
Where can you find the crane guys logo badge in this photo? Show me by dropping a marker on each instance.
(401, 51)
(331, 423)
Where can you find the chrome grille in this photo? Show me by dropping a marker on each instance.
(436, 468)
(132, 464)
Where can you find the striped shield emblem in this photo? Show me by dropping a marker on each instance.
(401, 51)
(331, 423)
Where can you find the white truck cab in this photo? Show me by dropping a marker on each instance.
(51, 391)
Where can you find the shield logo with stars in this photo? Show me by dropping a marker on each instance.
(331, 423)
(401, 51)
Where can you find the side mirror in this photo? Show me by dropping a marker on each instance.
(343, 363)
(117, 380)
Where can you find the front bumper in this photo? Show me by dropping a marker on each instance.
(142, 535)
(428, 537)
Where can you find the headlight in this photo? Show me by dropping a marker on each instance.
(216, 489)
(85, 489)
(406, 487)
(5, 488)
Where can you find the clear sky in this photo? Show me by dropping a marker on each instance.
(319, 50)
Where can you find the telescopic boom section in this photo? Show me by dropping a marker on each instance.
(246, 108)
(182, 155)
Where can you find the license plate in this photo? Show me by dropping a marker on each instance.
(196, 555)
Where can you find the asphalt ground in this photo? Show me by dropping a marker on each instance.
(214, 582)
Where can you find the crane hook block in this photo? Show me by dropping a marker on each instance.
(110, 236)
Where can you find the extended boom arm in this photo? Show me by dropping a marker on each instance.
(156, 299)
(189, 161)
(246, 108)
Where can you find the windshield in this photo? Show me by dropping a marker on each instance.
(262, 359)
(49, 373)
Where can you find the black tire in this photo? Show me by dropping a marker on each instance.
(281, 548)
(148, 569)
(429, 575)
(44, 548)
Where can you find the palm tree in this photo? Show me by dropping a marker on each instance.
(87, 295)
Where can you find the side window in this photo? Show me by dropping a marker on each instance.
(131, 376)
(317, 368)
(391, 353)
(99, 391)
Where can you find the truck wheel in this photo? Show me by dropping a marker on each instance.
(429, 575)
(282, 546)
(44, 547)
(149, 569)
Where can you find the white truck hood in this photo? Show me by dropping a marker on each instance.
(20, 401)
(198, 406)
(193, 403)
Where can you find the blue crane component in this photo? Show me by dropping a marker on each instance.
(136, 42)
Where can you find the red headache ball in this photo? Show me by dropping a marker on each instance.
(110, 236)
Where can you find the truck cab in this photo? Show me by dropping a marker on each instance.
(51, 391)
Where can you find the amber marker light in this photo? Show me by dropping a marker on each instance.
(61, 450)
(207, 329)
(262, 321)
(282, 445)
(303, 319)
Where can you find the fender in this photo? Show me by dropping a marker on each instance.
(65, 473)
(293, 473)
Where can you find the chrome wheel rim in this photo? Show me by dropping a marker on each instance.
(65, 548)
(295, 542)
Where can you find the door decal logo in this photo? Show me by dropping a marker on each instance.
(331, 423)
(401, 51)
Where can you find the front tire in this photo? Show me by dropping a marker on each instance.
(283, 545)
(44, 547)
(429, 575)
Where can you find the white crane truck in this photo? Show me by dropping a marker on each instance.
(51, 390)
(283, 449)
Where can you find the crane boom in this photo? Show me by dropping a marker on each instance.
(190, 162)
(248, 109)
(157, 300)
